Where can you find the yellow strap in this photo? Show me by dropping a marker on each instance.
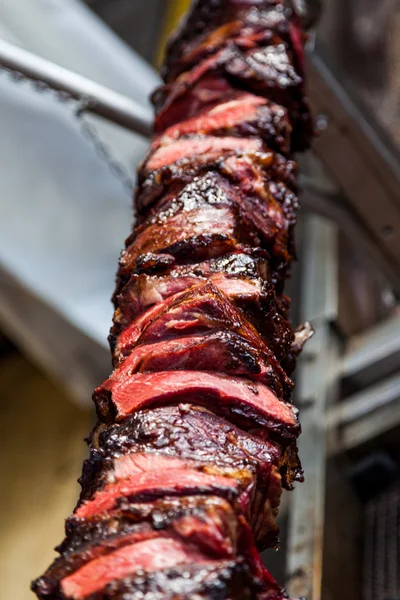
(176, 9)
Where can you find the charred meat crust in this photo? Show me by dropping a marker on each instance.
(210, 308)
(268, 70)
(245, 115)
(209, 218)
(157, 515)
(209, 522)
(196, 436)
(262, 175)
(210, 25)
(190, 433)
(241, 276)
(247, 403)
(226, 580)
(199, 330)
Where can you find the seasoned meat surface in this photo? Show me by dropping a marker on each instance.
(196, 435)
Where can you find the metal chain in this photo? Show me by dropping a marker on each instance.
(88, 130)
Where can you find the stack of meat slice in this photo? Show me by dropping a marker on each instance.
(196, 434)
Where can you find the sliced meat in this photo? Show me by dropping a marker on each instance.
(246, 402)
(220, 580)
(268, 71)
(207, 522)
(203, 87)
(263, 168)
(219, 351)
(270, 177)
(176, 482)
(190, 235)
(258, 582)
(48, 586)
(190, 433)
(131, 334)
(248, 219)
(260, 491)
(196, 234)
(245, 116)
(144, 291)
(200, 310)
(264, 207)
(207, 147)
(203, 308)
(126, 467)
(211, 26)
(149, 556)
(250, 478)
(214, 190)
(158, 515)
(240, 276)
(237, 275)
(136, 465)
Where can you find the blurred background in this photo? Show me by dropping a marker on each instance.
(66, 188)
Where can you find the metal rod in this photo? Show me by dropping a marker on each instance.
(99, 99)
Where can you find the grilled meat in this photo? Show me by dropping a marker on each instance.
(223, 580)
(242, 276)
(196, 435)
(149, 555)
(188, 432)
(245, 116)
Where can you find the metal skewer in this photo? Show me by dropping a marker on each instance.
(98, 99)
